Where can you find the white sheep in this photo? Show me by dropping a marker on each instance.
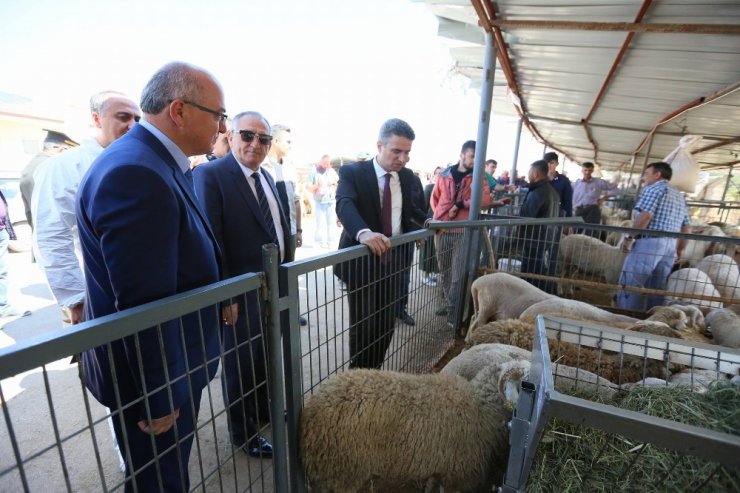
(501, 296)
(590, 256)
(725, 327)
(691, 281)
(695, 318)
(471, 361)
(575, 310)
(695, 250)
(724, 273)
(378, 429)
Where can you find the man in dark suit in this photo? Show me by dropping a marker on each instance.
(375, 202)
(246, 212)
(145, 237)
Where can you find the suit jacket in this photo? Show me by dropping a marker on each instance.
(358, 208)
(145, 237)
(235, 215)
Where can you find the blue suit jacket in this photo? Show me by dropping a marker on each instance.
(235, 215)
(144, 237)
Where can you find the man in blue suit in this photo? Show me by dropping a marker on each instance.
(246, 212)
(145, 237)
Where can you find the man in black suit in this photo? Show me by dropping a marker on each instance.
(375, 202)
(245, 211)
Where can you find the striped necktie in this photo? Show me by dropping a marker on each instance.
(265, 207)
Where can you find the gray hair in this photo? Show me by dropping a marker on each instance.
(280, 128)
(174, 80)
(257, 114)
(99, 100)
(394, 126)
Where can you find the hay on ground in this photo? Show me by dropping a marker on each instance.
(575, 458)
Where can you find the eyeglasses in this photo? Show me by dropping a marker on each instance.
(221, 116)
(248, 136)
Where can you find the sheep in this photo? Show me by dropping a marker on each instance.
(469, 363)
(501, 296)
(379, 429)
(691, 281)
(611, 366)
(515, 361)
(724, 273)
(725, 327)
(614, 238)
(591, 256)
(574, 310)
(694, 316)
(695, 250)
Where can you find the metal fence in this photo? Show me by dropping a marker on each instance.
(585, 261)
(540, 405)
(726, 213)
(72, 447)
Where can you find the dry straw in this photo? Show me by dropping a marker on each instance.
(574, 458)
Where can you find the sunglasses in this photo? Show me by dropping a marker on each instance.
(248, 136)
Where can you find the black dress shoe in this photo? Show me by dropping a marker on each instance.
(258, 447)
(442, 311)
(302, 320)
(406, 318)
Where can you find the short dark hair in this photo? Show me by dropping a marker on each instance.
(395, 126)
(663, 168)
(588, 164)
(540, 166)
(492, 161)
(468, 146)
(550, 156)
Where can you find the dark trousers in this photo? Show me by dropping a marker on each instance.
(590, 213)
(372, 314)
(536, 259)
(244, 374)
(403, 295)
(168, 455)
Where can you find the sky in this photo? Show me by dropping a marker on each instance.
(331, 70)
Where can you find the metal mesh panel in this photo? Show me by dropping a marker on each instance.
(614, 431)
(72, 447)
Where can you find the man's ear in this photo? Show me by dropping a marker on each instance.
(176, 109)
(96, 120)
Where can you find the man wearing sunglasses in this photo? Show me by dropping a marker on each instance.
(246, 212)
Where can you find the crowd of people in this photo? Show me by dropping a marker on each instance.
(170, 195)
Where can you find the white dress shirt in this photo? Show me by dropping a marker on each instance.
(271, 200)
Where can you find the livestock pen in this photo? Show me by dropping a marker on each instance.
(652, 435)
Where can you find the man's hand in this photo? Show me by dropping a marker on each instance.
(76, 313)
(377, 242)
(299, 239)
(159, 425)
(627, 245)
(230, 314)
(453, 212)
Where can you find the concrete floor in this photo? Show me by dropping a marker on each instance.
(87, 454)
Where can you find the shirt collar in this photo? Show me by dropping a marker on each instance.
(380, 172)
(180, 158)
(246, 168)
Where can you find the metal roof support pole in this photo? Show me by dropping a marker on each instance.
(632, 168)
(727, 183)
(472, 237)
(644, 165)
(516, 150)
(484, 119)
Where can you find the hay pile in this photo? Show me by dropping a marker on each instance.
(575, 458)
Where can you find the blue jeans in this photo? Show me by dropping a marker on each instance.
(324, 219)
(647, 266)
(4, 241)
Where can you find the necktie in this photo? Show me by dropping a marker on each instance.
(387, 207)
(189, 176)
(265, 207)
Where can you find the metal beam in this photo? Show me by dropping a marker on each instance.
(617, 26)
(720, 143)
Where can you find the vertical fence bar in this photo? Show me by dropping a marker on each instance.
(293, 377)
(275, 369)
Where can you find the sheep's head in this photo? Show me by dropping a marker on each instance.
(670, 315)
(510, 378)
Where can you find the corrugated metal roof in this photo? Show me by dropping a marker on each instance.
(558, 71)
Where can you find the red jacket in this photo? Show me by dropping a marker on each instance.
(444, 196)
